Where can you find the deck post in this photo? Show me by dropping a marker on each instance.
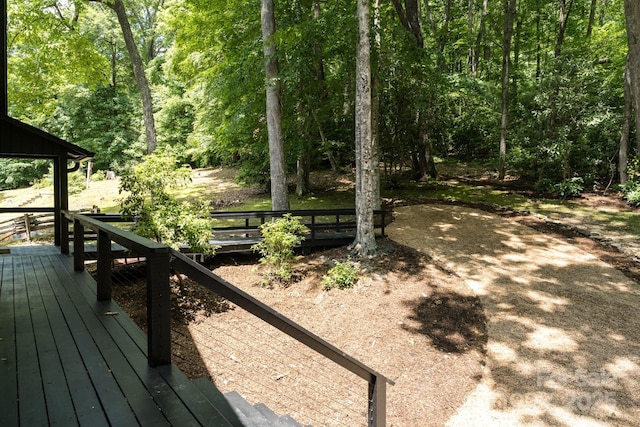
(27, 226)
(78, 245)
(104, 266)
(377, 402)
(158, 308)
(64, 236)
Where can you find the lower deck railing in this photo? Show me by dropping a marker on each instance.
(161, 259)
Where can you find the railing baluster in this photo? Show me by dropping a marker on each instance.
(158, 308)
(377, 402)
(78, 245)
(104, 266)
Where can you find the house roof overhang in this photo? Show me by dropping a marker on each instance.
(18, 139)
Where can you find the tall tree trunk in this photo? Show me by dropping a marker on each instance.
(538, 41)
(479, 37)
(509, 17)
(365, 242)
(279, 194)
(632, 13)
(592, 17)
(138, 72)
(426, 163)
(563, 20)
(375, 105)
(410, 17)
(303, 162)
(623, 152)
(303, 166)
(516, 61)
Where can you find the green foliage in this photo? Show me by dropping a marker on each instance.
(342, 275)
(544, 185)
(571, 187)
(631, 193)
(98, 175)
(279, 238)
(101, 120)
(18, 173)
(158, 214)
(205, 62)
(631, 188)
(76, 181)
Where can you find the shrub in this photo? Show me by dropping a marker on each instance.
(279, 238)
(633, 195)
(544, 185)
(342, 275)
(98, 176)
(571, 187)
(158, 214)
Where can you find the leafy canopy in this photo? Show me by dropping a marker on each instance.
(157, 213)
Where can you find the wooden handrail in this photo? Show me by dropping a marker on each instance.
(26, 210)
(158, 289)
(160, 258)
(206, 278)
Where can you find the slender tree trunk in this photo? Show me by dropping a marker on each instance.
(279, 194)
(563, 20)
(410, 17)
(303, 166)
(623, 153)
(538, 41)
(365, 242)
(592, 17)
(375, 105)
(509, 16)
(426, 163)
(632, 12)
(516, 61)
(479, 38)
(138, 72)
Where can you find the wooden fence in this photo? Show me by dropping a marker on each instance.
(26, 224)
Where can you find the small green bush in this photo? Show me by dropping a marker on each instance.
(342, 275)
(98, 176)
(633, 196)
(279, 238)
(571, 187)
(544, 185)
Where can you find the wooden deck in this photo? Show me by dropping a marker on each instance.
(67, 359)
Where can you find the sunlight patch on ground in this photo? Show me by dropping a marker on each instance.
(547, 302)
(546, 338)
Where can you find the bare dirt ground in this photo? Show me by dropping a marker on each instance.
(480, 316)
(563, 342)
(406, 318)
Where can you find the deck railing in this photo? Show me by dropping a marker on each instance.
(160, 259)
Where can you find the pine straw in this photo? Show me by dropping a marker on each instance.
(407, 319)
(563, 326)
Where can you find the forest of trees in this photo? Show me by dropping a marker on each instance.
(534, 87)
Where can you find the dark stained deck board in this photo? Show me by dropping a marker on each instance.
(82, 391)
(70, 364)
(30, 391)
(60, 408)
(111, 368)
(8, 368)
(163, 381)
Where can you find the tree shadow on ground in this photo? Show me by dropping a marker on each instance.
(455, 323)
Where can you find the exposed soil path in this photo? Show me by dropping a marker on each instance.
(563, 327)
